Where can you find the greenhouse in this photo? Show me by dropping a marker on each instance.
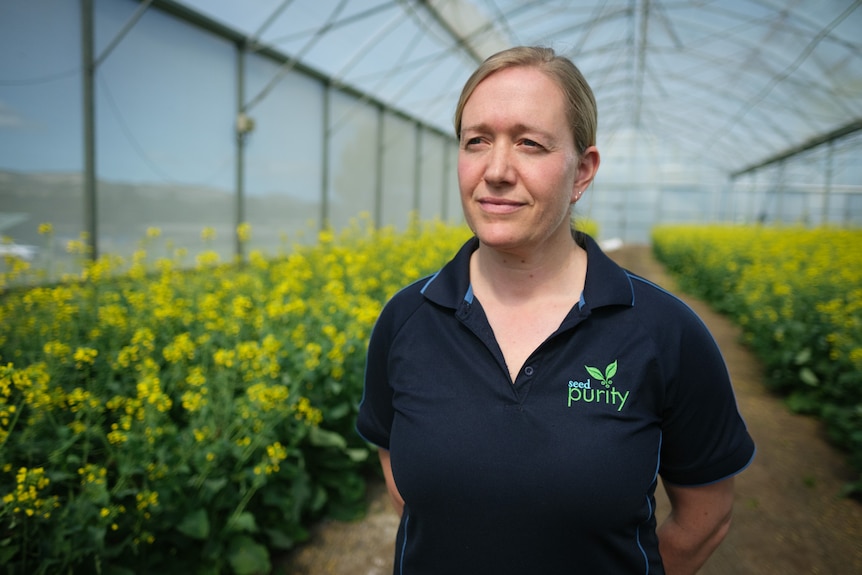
(205, 204)
(118, 116)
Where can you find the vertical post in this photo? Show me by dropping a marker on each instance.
(417, 173)
(378, 170)
(727, 211)
(752, 198)
(779, 200)
(827, 184)
(324, 192)
(241, 131)
(88, 76)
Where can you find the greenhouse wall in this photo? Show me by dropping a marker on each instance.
(166, 95)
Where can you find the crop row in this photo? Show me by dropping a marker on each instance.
(797, 295)
(170, 418)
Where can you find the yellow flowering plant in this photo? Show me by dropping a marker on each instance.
(156, 417)
(797, 294)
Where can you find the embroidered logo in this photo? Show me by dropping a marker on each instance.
(605, 392)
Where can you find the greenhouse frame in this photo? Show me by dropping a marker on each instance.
(122, 116)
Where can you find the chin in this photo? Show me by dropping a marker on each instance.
(499, 240)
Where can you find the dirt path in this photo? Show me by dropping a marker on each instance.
(788, 520)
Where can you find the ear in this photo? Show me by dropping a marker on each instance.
(588, 165)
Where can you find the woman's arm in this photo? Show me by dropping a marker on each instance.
(397, 501)
(698, 521)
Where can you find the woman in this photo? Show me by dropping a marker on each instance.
(526, 397)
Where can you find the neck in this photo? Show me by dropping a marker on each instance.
(513, 278)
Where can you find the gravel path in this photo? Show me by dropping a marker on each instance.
(788, 520)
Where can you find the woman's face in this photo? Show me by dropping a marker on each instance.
(518, 169)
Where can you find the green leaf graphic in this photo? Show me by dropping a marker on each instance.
(611, 370)
(595, 373)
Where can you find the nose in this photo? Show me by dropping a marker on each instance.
(499, 169)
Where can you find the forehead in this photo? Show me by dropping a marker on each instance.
(523, 94)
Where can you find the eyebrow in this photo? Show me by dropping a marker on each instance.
(519, 128)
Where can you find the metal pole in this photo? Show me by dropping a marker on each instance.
(241, 131)
(417, 173)
(324, 192)
(779, 208)
(827, 184)
(89, 119)
(378, 170)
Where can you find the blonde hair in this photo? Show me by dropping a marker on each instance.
(581, 111)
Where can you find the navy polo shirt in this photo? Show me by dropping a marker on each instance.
(556, 473)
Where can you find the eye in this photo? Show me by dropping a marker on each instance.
(472, 141)
(531, 143)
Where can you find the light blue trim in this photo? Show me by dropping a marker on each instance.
(728, 476)
(468, 297)
(656, 286)
(638, 538)
(632, 287)
(428, 283)
(366, 440)
(403, 546)
(649, 507)
(581, 301)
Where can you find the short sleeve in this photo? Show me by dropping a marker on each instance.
(704, 438)
(374, 421)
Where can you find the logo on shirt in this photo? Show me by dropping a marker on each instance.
(604, 392)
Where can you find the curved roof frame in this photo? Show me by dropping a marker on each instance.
(728, 83)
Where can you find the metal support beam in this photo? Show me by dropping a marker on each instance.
(640, 66)
(88, 77)
(327, 134)
(417, 172)
(378, 169)
(242, 127)
(827, 181)
(472, 31)
(845, 130)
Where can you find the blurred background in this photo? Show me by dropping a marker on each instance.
(121, 115)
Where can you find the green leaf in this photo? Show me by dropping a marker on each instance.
(803, 356)
(801, 403)
(357, 455)
(322, 438)
(248, 557)
(338, 411)
(213, 486)
(595, 373)
(7, 552)
(808, 377)
(611, 370)
(196, 524)
(278, 539)
(244, 522)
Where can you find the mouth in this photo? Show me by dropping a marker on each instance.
(499, 205)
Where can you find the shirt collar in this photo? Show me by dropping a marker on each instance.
(606, 283)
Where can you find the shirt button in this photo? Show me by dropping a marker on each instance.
(528, 371)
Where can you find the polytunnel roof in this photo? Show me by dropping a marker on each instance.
(727, 84)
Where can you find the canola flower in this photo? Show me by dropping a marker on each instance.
(27, 496)
(797, 294)
(145, 396)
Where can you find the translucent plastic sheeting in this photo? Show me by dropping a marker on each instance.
(685, 88)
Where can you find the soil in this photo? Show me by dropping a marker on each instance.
(789, 517)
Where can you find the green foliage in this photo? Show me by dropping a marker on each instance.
(797, 294)
(160, 419)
